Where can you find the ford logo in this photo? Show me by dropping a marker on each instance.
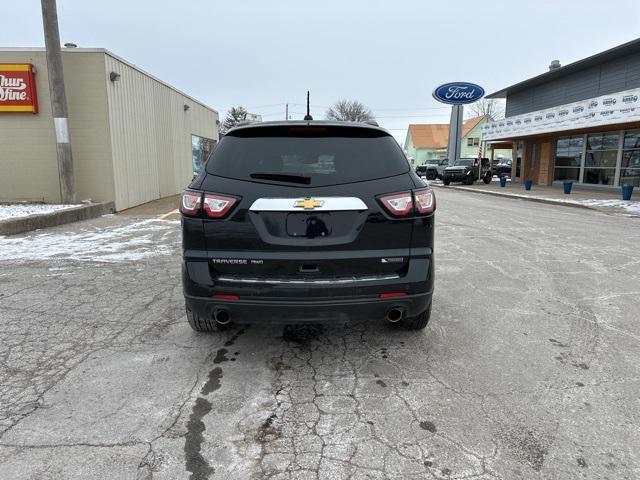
(458, 93)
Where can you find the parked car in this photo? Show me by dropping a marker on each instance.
(467, 171)
(432, 169)
(502, 168)
(313, 221)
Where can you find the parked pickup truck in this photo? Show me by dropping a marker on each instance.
(432, 169)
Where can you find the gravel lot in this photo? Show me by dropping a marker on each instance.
(530, 367)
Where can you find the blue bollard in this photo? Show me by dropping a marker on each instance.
(567, 187)
(627, 191)
(503, 181)
(528, 184)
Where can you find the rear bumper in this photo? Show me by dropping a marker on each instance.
(336, 300)
(303, 311)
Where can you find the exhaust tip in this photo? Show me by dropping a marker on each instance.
(394, 314)
(222, 317)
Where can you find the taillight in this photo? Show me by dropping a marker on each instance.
(216, 206)
(190, 202)
(425, 201)
(399, 204)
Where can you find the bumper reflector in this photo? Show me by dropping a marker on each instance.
(219, 296)
(392, 295)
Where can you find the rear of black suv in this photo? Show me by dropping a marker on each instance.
(307, 222)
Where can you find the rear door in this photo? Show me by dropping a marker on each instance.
(309, 204)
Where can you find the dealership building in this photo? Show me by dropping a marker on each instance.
(134, 137)
(578, 122)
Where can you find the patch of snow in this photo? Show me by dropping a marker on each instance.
(632, 207)
(118, 243)
(18, 210)
(628, 205)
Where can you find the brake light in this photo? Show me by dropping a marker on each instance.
(308, 129)
(425, 201)
(190, 202)
(216, 206)
(398, 205)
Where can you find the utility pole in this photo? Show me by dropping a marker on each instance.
(286, 111)
(58, 101)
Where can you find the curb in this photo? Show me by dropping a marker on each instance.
(14, 226)
(530, 199)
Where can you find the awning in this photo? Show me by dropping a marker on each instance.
(498, 145)
(617, 108)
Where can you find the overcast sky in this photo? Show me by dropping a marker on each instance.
(388, 54)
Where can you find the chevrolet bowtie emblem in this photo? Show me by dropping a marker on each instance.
(308, 203)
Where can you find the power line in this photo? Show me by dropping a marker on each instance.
(266, 106)
(408, 109)
(413, 116)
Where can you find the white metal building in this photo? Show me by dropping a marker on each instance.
(134, 137)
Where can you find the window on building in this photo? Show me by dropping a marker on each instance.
(568, 158)
(473, 141)
(476, 142)
(201, 148)
(469, 142)
(600, 159)
(630, 167)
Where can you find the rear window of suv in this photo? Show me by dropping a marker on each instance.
(322, 155)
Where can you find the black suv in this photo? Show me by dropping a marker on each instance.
(296, 222)
(502, 168)
(467, 171)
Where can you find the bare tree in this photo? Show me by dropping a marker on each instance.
(487, 106)
(349, 111)
(234, 116)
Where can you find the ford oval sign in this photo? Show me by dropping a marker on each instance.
(458, 93)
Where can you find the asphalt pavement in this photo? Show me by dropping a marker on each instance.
(530, 367)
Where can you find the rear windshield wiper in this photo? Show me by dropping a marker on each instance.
(283, 177)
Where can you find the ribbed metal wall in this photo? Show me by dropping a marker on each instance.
(27, 141)
(151, 135)
(609, 77)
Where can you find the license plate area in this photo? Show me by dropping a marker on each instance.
(309, 225)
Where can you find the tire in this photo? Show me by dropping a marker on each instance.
(487, 179)
(445, 181)
(419, 322)
(469, 180)
(431, 175)
(200, 324)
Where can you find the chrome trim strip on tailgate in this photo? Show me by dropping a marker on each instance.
(327, 281)
(322, 204)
